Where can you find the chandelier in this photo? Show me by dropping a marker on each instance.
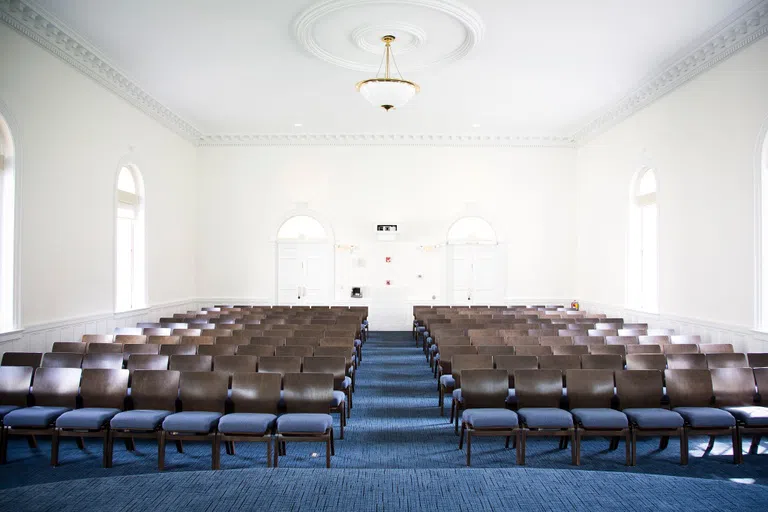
(387, 93)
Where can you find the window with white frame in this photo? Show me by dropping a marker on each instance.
(642, 260)
(471, 230)
(130, 262)
(8, 318)
(762, 243)
(301, 227)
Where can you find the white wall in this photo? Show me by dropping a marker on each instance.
(246, 192)
(702, 140)
(73, 134)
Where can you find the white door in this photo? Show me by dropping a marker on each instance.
(304, 273)
(475, 275)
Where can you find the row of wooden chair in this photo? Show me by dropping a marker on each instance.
(449, 369)
(166, 405)
(701, 402)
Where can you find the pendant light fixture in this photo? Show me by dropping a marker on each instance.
(388, 92)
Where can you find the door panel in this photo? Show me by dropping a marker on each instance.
(290, 274)
(475, 275)
(304, 273)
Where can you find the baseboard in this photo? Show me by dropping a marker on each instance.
(742, 338)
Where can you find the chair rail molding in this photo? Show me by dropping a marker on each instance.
(744, 339)
(41, 337)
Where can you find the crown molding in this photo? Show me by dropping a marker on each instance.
(358, 139)
(738, 31)
(32, 21)
(742, 28)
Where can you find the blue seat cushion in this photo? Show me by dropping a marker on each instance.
(347, 382)
(198, 422)
(490, 418)
(309, 423)
(5, 409)
(545, 417)
(751, 416)
(600, 418)
(421, 328)
(338, 398)
(91, 418)
(447, 381)
(139, 419)
(706, 417)
(358, 343)
(246, 423)
(654, 417)
(33, 417)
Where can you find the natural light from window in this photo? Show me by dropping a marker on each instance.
(7, 229)
(301, 227)
(130, 272)
(470, 230)
(642, 268)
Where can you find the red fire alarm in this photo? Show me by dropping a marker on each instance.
(389, 282)
(388, 259)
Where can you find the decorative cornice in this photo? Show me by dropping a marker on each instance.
(743, 28)
(739, 30)
(353, 139)
(43, 28)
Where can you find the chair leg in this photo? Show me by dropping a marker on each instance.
(628, 448)
(461, 436)
(663, 442)
(736, 440)
(232, 447)
(634, 447)
(215, 452)
(104, 449)
(521, 450)
(277, 449)
(576, 446)
(179, 446)
(161, 450)
(710, 445)
(32, 442)
(683, 446)
(440, 400)
(453, 408)
(341, 420)
(128, 444)
(333, 447)
(227, 448)
(80, 443)
(518, 445)
(469, 448)
(755, 444)
(269, 451)
(55, 447)
(110, 448)
(506, 442)
(328, 450)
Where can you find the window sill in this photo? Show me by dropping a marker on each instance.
(11, 335)
(125, 313)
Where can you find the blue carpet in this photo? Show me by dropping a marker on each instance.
(396, 425)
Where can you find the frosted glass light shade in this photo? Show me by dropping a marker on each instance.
(387, 93)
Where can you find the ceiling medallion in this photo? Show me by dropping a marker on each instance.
(388, 92)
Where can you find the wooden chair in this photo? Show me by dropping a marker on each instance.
(75, 347)
(103, 394)
(203, 395)
(62, 360)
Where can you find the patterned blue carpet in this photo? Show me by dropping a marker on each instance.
(395, 425)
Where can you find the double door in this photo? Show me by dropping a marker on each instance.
(304, 273)
(475, 274)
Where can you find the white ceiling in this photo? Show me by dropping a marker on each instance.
(539, 67)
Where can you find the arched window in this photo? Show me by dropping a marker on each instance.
(642, 271)
(762, 243)
(130, 261)
(471, 230)
(8, 317)
(301, 227)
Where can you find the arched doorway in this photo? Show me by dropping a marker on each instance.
(475, 267)
(304, 262)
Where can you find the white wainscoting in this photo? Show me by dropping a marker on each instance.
(742, 338)
(41, 337)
